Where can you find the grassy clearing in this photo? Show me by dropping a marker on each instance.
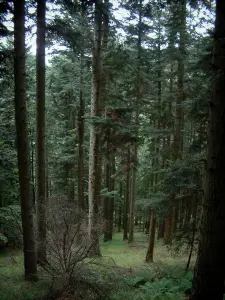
(133, 256)
(161, 277)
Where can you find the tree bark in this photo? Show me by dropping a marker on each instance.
(194, 225)
(120, 206)
(209, 274)
(135, 146)
(168, 229)
(175, 218)
(126, 200)
(161, 230)
(94, 152)
(108, 201)
(29, 248)
(80, 173)
(40, 132)
(151, 240)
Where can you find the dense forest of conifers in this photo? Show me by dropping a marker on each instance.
(112, 149)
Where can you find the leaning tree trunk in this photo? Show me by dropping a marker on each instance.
(209, 274)
(40, 132)
(29, 248)
(94, 152)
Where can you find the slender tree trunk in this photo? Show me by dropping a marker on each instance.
(94, 153)
(126, 200)
(168, 229)
(40, 139)
(175, 218)
(161, 230)
(108, 201)
(111, 202)
(33, 174)
(151, 240)
(187, 215)
(119, 223)
(179, 113)
(29, 248)
(208, 282)
(80, 173)
(135, 146)
(194, 225)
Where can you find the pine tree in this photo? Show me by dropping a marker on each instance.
(210, 265)
(94, 152)
(30, 264)
(40, 131)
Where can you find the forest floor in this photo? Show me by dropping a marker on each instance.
(133, 278)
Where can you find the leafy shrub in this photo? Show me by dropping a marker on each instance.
(10, 224)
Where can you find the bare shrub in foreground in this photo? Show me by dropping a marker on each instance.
(68, 263)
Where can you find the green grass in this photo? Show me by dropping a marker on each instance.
(12, 283)
(130, 259)
(134, 256)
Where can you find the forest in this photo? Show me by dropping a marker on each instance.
(112, 149)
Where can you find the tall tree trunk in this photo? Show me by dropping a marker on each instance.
(120, 206)
(168, 229)
(175, 218)
(194, 225)
(40, 139)
(151, 239)
(126, 199)
(135, 146)
(179, 113)
(30, 263)
(108, 199)
(161, 230)
(80, 173)
(209, 274)
(94, 152)
(111, 200)
(33, 187)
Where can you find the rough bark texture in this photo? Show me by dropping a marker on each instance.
(94, 153)
(209, 272)
(151, 240)
(40, 132)
(29, 248)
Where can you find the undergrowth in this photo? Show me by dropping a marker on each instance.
(121, 270)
